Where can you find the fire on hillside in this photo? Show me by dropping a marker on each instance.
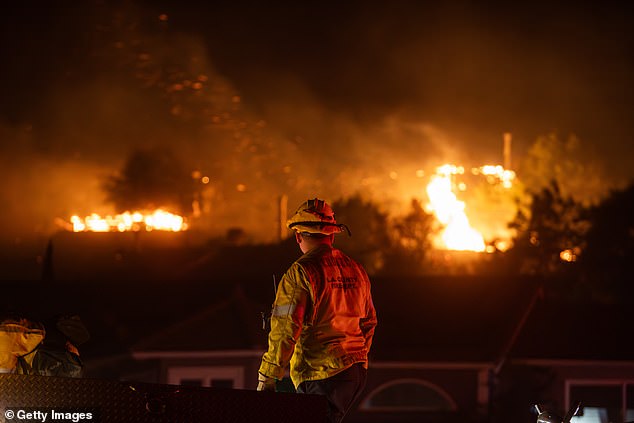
(159, 220)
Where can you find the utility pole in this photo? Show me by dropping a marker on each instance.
(507, 150)
(282, 217)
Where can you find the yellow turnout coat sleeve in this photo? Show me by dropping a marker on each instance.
(287, 320)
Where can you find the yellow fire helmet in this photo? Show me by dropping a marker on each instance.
(315, 217)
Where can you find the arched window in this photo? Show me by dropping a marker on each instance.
(408, 395)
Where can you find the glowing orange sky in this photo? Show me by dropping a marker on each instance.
(333, 97)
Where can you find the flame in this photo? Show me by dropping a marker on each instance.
(457, 233)
(498, 172)
(159, 220)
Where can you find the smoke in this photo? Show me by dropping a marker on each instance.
(149, 89)
(371, 117)
(39, 189)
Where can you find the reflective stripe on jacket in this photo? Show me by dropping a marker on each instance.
(323, 317)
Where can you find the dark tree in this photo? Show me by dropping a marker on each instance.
(152, 179)
(411, 242)
(369, 227)
(607, 259)
(551, 236)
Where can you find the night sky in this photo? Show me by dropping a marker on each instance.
(343, 87)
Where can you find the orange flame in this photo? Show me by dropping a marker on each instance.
(457, 233)
(159, 220)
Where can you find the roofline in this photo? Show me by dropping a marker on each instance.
(431, 365)
(145, 355)
(570, 362)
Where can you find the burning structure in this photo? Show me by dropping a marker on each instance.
(157, 220)
(457, 232)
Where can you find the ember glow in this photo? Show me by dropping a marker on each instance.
(569, 255)
(159, 220)
(442, 191)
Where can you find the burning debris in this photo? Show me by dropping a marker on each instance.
(159, 220)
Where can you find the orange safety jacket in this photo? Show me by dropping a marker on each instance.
(323, 318)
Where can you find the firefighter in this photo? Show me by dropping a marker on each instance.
(19, 338)
(58, 355)
(323, 318)
(32, 348)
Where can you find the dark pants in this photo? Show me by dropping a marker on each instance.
(341, 390)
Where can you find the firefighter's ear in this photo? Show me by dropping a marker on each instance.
(298, 238)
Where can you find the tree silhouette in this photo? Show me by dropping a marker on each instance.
(151, 179)
(555, 224)
(397, 246)
(369, 227)
(410, 244)
(607, 260)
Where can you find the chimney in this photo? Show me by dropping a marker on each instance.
(507, 150)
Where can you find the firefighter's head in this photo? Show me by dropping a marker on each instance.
(314, 223)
